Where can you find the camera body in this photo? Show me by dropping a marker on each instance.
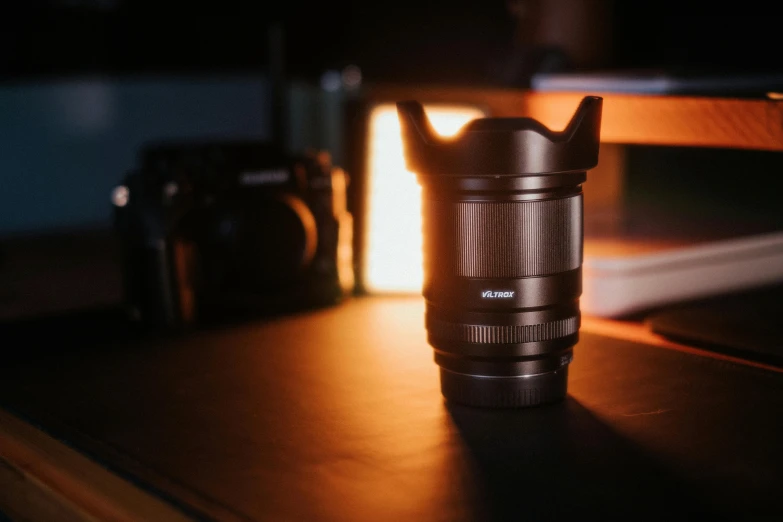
(222, 230)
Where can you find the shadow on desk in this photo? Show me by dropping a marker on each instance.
(561, 461)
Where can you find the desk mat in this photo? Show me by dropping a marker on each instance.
(336, 415)
(746, 324)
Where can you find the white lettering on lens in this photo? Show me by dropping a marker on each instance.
(264, 177)
(493, 294)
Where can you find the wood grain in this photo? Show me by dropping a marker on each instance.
(627, 119)
(42, 479)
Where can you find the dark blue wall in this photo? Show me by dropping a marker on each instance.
(65, 144)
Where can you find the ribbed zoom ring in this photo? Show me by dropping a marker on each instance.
(480, 239)
(471, 333)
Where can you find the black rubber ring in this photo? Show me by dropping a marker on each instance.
(504, 392)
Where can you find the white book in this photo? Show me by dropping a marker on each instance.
(622, 276)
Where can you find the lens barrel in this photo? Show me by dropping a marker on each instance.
(503, 241)
(502, 283)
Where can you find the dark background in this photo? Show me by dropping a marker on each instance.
(85, 83)
(445, 42)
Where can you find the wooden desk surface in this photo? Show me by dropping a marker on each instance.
(336, 415)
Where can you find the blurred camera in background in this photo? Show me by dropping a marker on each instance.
(220, 230)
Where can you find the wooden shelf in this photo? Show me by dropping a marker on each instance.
(627, 119)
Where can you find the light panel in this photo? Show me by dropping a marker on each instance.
(393, 242)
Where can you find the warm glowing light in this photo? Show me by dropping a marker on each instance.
(393, 220)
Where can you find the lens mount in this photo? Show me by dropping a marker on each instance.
(504, 392)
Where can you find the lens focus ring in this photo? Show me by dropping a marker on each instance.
(509, 239)
(511, 334)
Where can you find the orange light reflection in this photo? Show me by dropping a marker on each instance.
(393, 226)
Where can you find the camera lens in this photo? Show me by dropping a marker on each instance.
(502, 223)
(261, 245)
